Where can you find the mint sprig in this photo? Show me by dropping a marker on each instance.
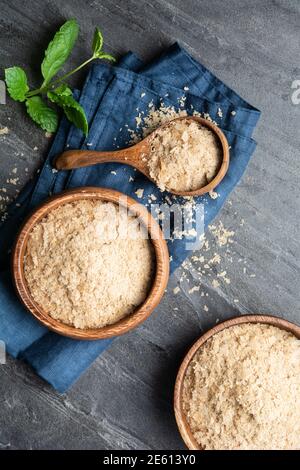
(56, 91)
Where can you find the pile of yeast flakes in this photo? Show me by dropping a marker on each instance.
(242, 390)
(185, 156)
(84, 269)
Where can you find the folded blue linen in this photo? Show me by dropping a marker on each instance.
(111, 97)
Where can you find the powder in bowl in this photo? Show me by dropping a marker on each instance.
(242, 390)
(184, 156)
(88, 263)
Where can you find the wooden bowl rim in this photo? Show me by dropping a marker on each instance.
(225, 158)
(181, 421)
(160, 279)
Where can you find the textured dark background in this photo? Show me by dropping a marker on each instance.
(124, 401)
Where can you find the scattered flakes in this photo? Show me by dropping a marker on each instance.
(14, 170)
(113, 172)
(54, 170)
(89, 144)
(176, 290)
(143, 94)
(4, 131)
(215, 283)
(138, 121)
(223, 276)
(221, 234)
(48, 135)
(182, 101)
(186, 88)
(35, 148)
(130, 179)
(233, 113)
(194, 289)
(206, 308)
(207, 116)
(252, 275)
(175, 308)
(236, 301)
(216, 259)
(154, 119)
(213, 194)
(139, 193)
(220, 113)
(13, 181)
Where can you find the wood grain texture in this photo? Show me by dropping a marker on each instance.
(124, 325)
(125, 400)
(182, 423)
(138, 154)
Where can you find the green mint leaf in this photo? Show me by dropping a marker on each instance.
(16, 82)
(63, 90)
(59, 49)
(44, 116)
(77, 116)
(72, 109)
(102, 55)
(97, 41)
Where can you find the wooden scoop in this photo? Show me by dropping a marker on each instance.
(138, 154)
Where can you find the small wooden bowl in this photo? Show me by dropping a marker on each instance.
(182, 423)
(159, 282)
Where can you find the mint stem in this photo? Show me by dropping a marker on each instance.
(44, 89)
(67, 75)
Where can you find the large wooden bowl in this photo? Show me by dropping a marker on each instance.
(182, 423)
(160, 277)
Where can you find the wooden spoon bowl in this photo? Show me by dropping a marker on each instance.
(137, 156)
(181, 420)
(160, 278)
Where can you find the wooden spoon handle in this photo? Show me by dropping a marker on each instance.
(79, 158)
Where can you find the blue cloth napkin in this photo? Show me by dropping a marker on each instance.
(111, 97)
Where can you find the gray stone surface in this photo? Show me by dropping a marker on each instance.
(124, 401)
